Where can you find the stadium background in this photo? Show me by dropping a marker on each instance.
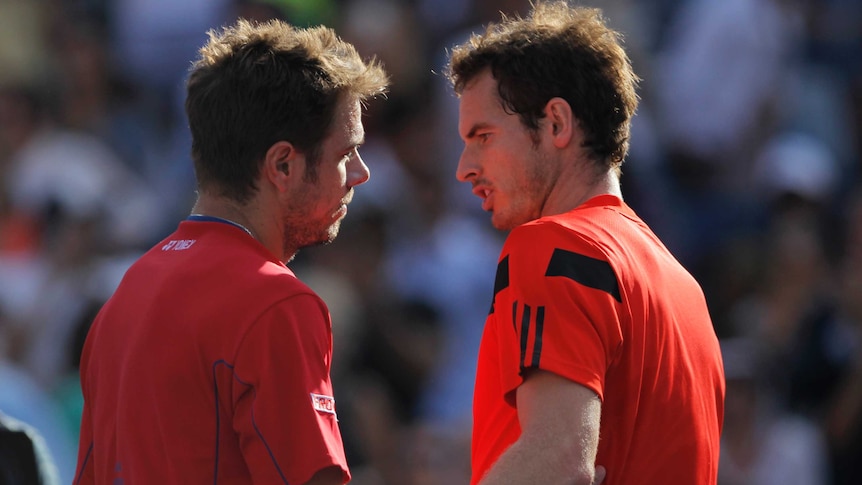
(745, 159)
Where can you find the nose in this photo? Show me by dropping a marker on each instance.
(357, 172)
(467, 168)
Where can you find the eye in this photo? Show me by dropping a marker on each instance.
(349, 154)
(483, 137)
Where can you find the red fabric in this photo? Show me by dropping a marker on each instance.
(651, 356)
(202, 366)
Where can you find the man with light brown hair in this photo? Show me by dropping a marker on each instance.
(211, 361)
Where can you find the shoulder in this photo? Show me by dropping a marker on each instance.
(291, 322)
(277, 290)
(556, 250)
(535, 242)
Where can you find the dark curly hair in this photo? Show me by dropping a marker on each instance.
(557, 51)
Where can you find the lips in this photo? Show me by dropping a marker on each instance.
(341, 211)
(483, 193)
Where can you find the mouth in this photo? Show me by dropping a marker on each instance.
(340, 212)
(484, 194)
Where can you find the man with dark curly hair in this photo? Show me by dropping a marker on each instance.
(211, 361)
(599, 360)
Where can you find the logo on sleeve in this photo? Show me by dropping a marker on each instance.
(324, 404)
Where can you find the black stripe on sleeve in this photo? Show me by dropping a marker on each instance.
(537, 343)
(501, 280)
(590, 272)
(525, 332)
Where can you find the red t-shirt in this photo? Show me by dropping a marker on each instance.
(592, 295)
(209, 364)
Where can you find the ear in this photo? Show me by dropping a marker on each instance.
(560, 122)
(282, 164)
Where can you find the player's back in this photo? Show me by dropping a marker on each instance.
(664, 389)
(157, 368)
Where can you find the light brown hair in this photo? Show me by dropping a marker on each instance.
(255, 84)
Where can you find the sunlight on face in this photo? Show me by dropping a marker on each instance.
(507, 168)
(316, 209)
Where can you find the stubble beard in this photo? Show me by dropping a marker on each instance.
(302, 235)
(529, 196)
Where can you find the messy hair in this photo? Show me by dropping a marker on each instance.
(255, 84)
(557, 51)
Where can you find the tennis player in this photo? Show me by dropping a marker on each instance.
(211, 362)
(599, 359)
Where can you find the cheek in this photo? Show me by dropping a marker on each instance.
(508, 166)
(332, 186)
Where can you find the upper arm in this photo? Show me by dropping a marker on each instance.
(284, 409)
(561, 417)
(561, 304)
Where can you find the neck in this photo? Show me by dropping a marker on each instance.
(608, 184)
(564, 198)
(263, 229)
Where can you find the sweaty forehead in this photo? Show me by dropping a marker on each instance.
(348, 117)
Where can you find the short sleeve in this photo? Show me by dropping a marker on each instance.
(560, 311)
(284, 410)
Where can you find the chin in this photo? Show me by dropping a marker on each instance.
(503, 224)
(332, 232)
(320, 237)
(327, 238)
(508, 220)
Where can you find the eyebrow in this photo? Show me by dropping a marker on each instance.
(475, 128)
(356, 143)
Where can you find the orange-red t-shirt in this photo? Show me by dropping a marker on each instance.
(592, 295)
(209, 364)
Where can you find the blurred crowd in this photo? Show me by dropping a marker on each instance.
(746, 159)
